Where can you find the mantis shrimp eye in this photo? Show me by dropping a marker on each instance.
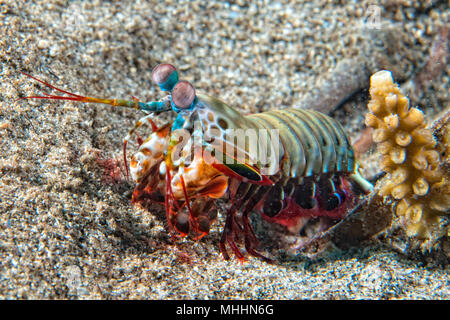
(166, 76)
(183, 94)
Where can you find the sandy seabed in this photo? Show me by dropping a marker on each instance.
(67, 227)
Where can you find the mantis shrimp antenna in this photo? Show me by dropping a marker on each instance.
(153, 106)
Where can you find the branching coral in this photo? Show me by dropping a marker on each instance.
(416, 177)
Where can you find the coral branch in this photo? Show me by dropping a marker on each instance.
(410, 155)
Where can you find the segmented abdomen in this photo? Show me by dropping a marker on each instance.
(311, 142)
(316, 164)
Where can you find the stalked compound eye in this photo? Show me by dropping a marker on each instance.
(166, 76)
(183, 94)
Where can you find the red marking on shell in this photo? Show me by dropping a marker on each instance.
(293, 213)
(183, 94)
(162, 72)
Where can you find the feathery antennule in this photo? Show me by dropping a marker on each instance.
(47, 85)
(75, 97)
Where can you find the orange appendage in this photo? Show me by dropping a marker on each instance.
(188, 195)
(201, 180)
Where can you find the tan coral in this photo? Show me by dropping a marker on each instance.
(416, 177)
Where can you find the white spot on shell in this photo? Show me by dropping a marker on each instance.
(154, 148)
(162, 168)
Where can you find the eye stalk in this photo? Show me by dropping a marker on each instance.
(166, 76)
(183, 95)
(182, 92)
